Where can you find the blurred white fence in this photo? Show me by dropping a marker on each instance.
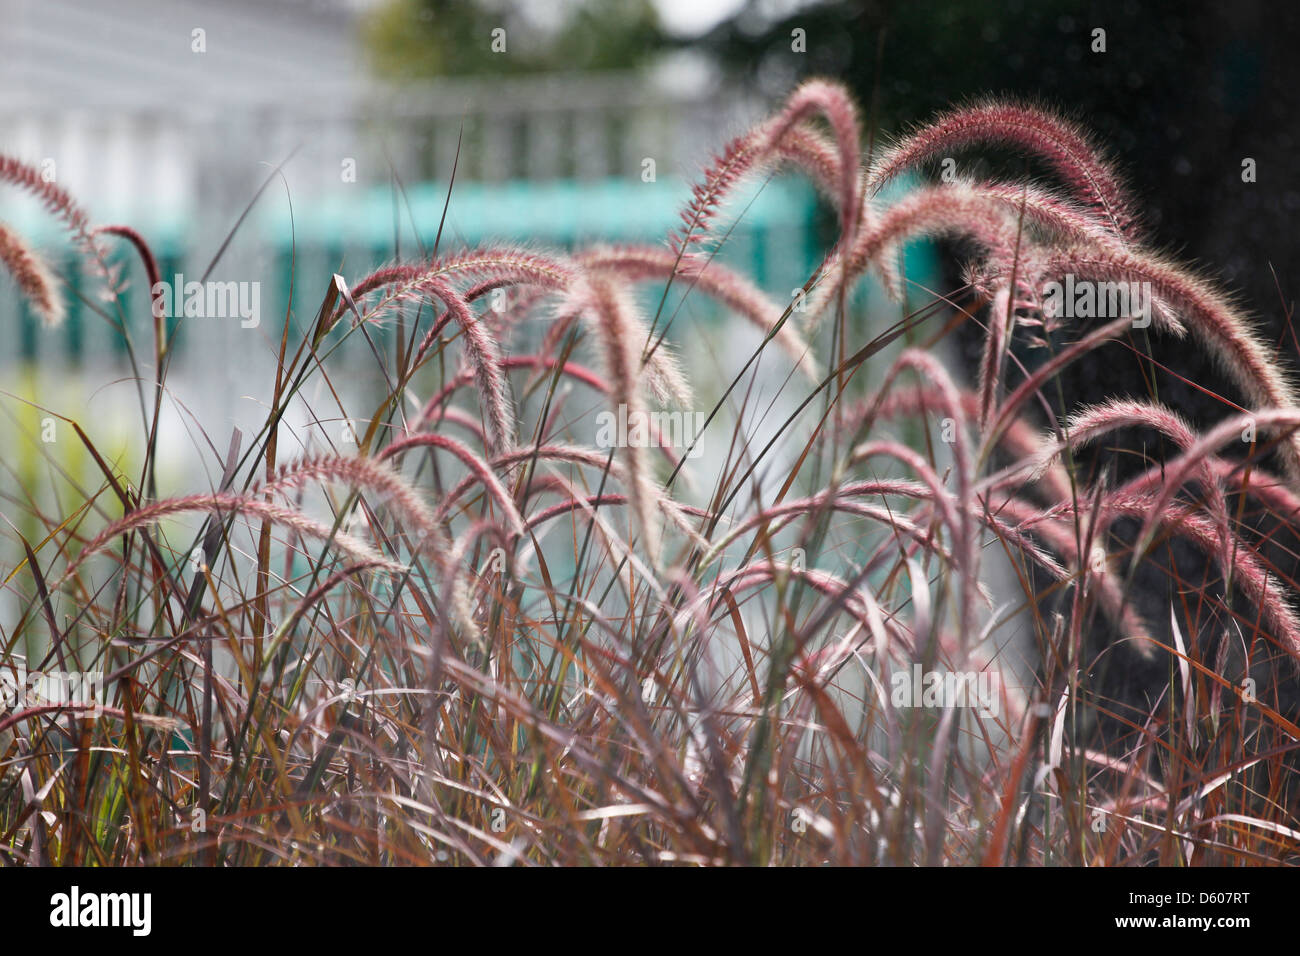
(167, 166)
(183, 177)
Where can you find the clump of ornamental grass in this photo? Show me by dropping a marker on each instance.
(880, 636)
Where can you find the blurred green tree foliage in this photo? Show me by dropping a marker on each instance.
(413, 39)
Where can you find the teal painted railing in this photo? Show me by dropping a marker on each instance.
(775, 233)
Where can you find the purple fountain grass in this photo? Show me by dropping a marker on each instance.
(151, 274)
(576, 503)
(784, 137)
(457, 416)
(1062, 145)
(485, 359)
(840, 500)
(438, 402)
(470, 460)
(763, 571)
(32, 276)
(937, 377)
(663, 375)
(247, 505)
(436, 408)
(951, 210)
(54, 198)
(1009, 408)
(1013, 517)
(615, 315)
(377, 475)
(142, 248)
(59, 203)
(817, 155)
(363, 472)
(833, 165)
(494, 268)
(954, 210)
(310, 599)
(1019, 439)
(671, 509)
(730, 167)
(1059, 217)
(1226, 334)
(1194, 459)
(498, 267)
(1270, 490)
(1092, 423)
(502, 265)
(712, 278)
(913, 460)
(1261, 588)
(832, 101)
(454, 567)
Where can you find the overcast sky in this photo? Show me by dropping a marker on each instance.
(692, 17)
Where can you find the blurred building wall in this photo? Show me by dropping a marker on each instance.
(168, 116)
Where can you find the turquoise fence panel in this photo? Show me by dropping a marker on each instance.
(776, 233)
